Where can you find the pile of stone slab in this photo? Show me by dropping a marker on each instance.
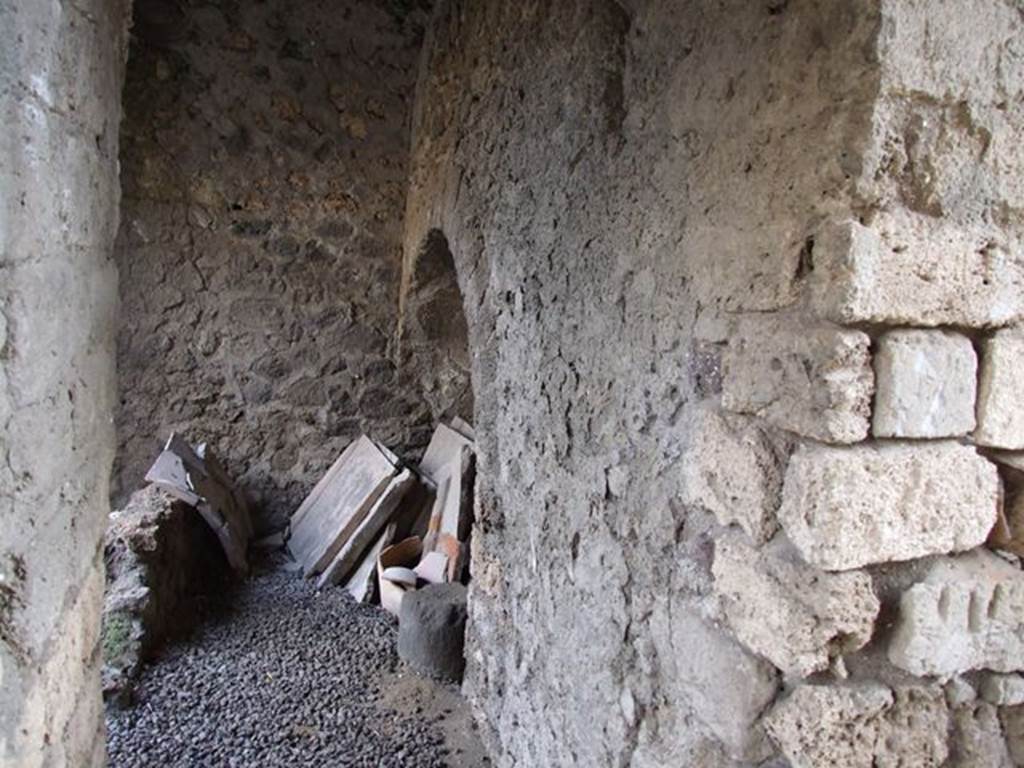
(383, 529)
(193, 475)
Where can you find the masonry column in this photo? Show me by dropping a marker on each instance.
(61, 70)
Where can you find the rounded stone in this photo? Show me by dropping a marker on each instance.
(431, 630)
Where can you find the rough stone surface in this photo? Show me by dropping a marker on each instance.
(861, 726)
(160, 555)
(264, 159)
(1003, 690)
(859, 277)
(432, 630)
(977, 738)
(608, 225)
(242, 691)
(734, 469)
(968, 613)
(794, 615)
(852, 506)
(727, 686)
(61, 70)
(1012, 720)
(1000, 397)
(925, 384)
(816, 382)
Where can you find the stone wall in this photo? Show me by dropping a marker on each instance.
(740, 281)
(264, 163)
(61, 71)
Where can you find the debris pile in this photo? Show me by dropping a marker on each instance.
(159, 556)
(384, 530)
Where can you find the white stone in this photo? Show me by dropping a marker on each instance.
(815, 380)
(730, 468)
(1000, 394)
(1003, 690)
(924, 384)
(859, 278)
(860, 726)
(846, 507)
(968, 613)
(793, 614)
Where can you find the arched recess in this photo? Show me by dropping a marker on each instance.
(433, 333)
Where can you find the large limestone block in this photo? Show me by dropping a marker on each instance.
(924, 384)
(731, 469)
(1000, 397)
(849, 507)
(793, 614)
(815, 380)
(861, 726)
(968, 613)
(858, 278)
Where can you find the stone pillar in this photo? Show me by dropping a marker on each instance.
(60, 92)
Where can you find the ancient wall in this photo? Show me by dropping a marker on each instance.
(61, 71)
(264, 164)
(740, 281)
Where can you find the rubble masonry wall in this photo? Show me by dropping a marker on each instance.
(61, 70)
(742, 281)
(264, 164)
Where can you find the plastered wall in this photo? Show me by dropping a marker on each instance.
(741, 281)
(61, 71)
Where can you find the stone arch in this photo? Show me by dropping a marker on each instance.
(433, 332)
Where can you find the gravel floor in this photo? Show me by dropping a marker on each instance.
(282, 677)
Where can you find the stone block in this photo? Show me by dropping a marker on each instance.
(731, 468)
(431, 630)
(1003, 690)
(846, 507)
(976, 740)
(967, 613)
(861, 726)
(794, 615)
(1000, 397)
(859, 278)
(815, 380)
(924, 384)
(1012, 720)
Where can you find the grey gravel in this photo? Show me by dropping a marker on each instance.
(279, 675)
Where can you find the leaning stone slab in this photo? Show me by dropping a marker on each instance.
(796, 616)
(861, 726)
(849, 507)
(815, 380)
(1000, 396)
(968, 613)
(731, 469)
(925, 383)
(858, 278)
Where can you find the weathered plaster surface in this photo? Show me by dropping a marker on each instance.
(61, 67)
